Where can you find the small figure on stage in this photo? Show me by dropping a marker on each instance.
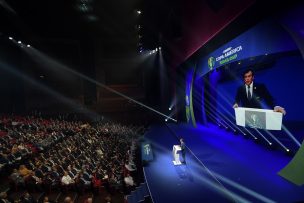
(183, 150)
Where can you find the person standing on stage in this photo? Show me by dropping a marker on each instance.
(183, 149)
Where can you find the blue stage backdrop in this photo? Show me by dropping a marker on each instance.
(266, 48)
(274, 50)
(268, 37)
(270, 51)
(283, 80)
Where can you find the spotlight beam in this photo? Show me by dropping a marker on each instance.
(228, 100)
(276, 139)
(220, 187)
(211, 181)
(244, 189)
(35, 53)
(291, 136)
(7, 6)
(262, 135)
(220, 105)
(233, 123)
(215, 119)
(45, 88)
(221, 121)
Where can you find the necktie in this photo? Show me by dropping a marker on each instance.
(249, 93)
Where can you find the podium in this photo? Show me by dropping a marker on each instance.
(258, 118)
(175, 152)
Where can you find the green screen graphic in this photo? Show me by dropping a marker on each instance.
(294, 171)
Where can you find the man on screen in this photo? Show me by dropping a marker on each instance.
(252, 95)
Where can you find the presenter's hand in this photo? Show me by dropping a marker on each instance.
(279, 109)
(235, 105)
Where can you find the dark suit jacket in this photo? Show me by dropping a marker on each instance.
(260, 96)
(183, 148)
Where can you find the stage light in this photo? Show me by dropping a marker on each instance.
(274, 137)
(28, 45)
(19, 42)
(289, 152)
(258, 132)
(239, 63)
(172, 103)
(41, 76)
(270, 143)
(166, 119)
(156, 49)
(153, 51)
(138, 12)
(159, 48)
(10, 38)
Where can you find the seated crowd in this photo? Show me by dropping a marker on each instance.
(42, 155)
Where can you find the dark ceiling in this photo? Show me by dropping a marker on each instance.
(114, 22)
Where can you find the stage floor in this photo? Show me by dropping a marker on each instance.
(221, 167)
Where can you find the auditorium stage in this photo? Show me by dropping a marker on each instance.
(221, 167)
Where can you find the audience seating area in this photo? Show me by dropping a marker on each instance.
(56, 160)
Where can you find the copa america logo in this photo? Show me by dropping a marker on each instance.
(211, 62)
